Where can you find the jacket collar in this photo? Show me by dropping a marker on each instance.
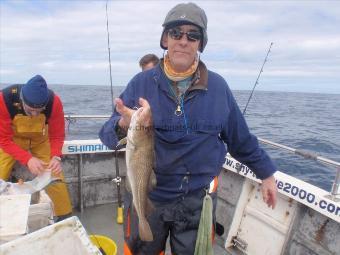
(200, 80)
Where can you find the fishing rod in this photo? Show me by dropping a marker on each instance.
(109, 51)
(257, 79)
(118, 179)
(308, 155)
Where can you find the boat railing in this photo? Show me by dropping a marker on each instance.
(303, 153)
(75, 117)
(313, 156)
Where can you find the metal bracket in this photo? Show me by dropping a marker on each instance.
(117, 180)
(240, 244)
(335, 187)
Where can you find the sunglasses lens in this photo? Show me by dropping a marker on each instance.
(175, 34)
(194, 36)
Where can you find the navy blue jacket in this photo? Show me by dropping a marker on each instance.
(191, 148)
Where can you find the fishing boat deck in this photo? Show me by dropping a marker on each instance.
(101, 220)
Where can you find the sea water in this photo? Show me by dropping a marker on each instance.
(306, 121)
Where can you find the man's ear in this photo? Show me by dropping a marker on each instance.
(165, 40)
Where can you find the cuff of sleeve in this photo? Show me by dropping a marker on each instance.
(57, 158)
(120, 132)
(266, 174)
(25, 160)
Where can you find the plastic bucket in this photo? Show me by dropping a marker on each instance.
(107, 244)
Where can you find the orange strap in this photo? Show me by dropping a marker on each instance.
(128, 227)
(127, 249)
(213, 185)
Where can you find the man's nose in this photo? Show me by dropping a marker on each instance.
(35, 113)
(184, 39)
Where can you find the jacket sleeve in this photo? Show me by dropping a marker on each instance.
(56, 127)
(244, 146)
(107, 133)
(110, 133)
(6, 136)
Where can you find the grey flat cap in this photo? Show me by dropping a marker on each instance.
(188, 13)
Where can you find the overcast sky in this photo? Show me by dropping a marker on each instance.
(66, 41)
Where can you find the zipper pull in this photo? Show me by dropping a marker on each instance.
(178, 111)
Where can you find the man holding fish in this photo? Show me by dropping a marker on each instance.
(191, 118)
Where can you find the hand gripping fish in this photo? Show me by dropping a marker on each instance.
(140, 157)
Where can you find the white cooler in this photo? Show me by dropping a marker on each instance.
(18, 217)
(67, 237)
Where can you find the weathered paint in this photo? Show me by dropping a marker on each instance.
(305, 193)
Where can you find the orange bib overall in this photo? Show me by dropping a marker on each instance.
(31, 134)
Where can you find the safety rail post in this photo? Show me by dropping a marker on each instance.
(80, 182)
(336, 184)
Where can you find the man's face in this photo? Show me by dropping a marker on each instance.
(32, 111)
(148, 66)
(183, 43)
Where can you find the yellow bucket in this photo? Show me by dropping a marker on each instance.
(105, 243)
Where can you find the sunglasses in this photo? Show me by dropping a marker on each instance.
(177, 34)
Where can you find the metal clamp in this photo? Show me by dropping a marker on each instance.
(117, 180)
(240, 244)
(335, 187)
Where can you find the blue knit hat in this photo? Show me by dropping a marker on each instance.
(35, 93)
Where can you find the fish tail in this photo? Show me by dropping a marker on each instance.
(149, 207)
(145, 232)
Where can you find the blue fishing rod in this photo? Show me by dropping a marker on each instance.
(257, 79)
(117, 179)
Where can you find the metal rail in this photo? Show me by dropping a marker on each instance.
(303, 153)
(311, 155)
(75, 117)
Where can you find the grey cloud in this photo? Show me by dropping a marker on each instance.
(71, 37)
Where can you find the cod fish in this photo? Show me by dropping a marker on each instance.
(140, 157)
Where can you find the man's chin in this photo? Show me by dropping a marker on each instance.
(181, 66)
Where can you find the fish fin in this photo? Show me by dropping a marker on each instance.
(152, 181)
(122, 141)
(145, 232)
(149, 207)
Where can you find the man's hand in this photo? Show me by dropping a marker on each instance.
(127, 112)
(36, 166)
(55, 165)
(146, 115)
(269, 191)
